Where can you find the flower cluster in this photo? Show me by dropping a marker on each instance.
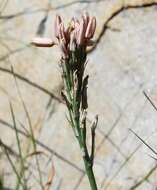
(73, 41)
(78, 33)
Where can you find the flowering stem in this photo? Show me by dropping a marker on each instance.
(73, 42)
(75, 85)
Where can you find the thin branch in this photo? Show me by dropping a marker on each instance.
(151, 171)
(12, 165)
(145, 178)
(143, 141)
(10, 150)
(30, 127)
(149, 99)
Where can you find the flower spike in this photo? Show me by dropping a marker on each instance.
(73, 41)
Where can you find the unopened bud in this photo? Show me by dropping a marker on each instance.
(94, 123)
(81, 33)
(91, 28)
(43, 42)
(58, 21)
(86, 19)
(62, 36)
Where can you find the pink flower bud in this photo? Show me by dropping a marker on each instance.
(58, 21)
(86, 19)
(81, 33)
(91, 28)
(62, 34)
(43, 42)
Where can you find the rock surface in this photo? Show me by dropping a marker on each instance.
(121, 68)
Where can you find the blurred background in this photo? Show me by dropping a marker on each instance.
(34, 132)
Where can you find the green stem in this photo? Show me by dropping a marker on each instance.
(90, 174)
(74, 93)
(88, 162)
